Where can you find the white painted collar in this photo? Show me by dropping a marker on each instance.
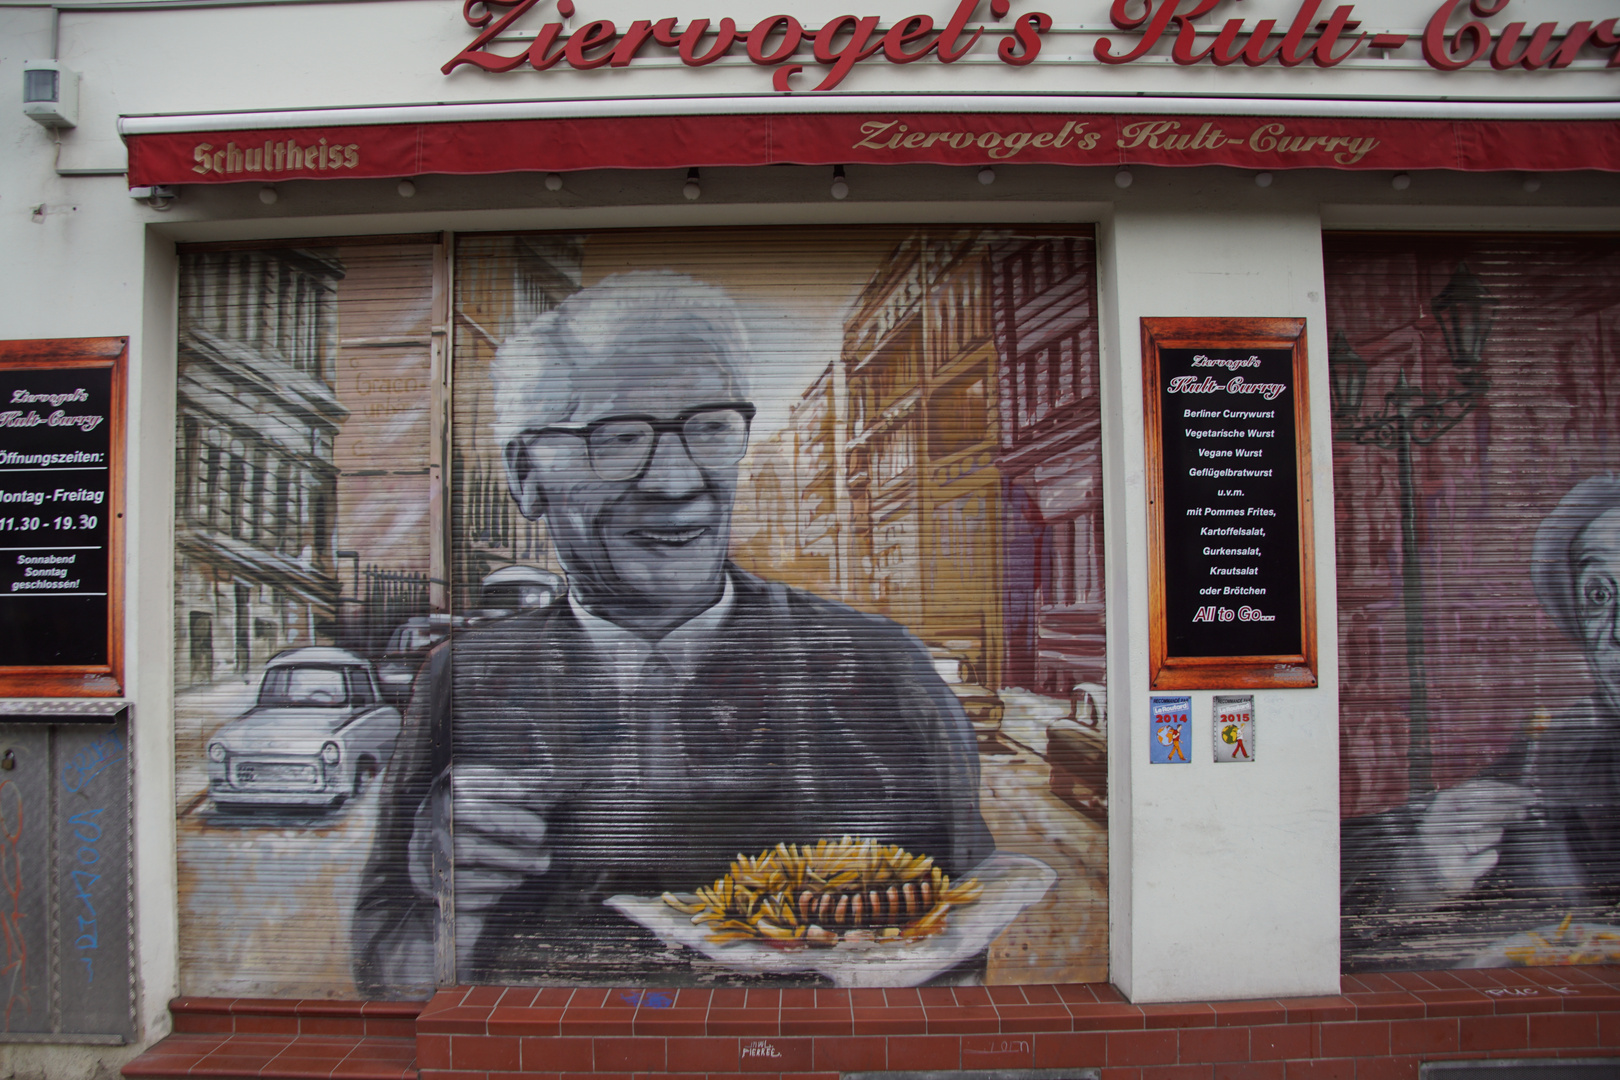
(624, 652)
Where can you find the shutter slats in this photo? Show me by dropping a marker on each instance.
(1517, 828)
(915, 597)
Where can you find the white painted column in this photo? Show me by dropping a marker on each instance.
(1224, 879)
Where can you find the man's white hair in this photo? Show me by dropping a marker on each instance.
(648, 315)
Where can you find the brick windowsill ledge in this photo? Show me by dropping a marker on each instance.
(1380, 1027)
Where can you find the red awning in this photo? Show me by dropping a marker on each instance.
(471, 147)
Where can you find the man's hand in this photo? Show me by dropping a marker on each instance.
(499, 840)
(1459, 840)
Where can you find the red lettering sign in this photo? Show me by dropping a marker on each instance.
(781, 41)
(663, 142)
(775, 41)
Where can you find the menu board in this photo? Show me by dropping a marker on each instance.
(60, 516)
(1230, 483)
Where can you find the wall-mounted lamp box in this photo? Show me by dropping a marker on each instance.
(51, 93)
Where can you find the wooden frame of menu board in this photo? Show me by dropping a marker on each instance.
(1231, 559)
(62, 517)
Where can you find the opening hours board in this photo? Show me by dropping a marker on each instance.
(61, 517)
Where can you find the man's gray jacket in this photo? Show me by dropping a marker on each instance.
(807, 720)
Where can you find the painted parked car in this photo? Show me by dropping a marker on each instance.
(520, 588)
(317, 733)
(509, 589)
(407, 647)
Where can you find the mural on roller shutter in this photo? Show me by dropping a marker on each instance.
(1477, 497)
(301, 560)
(775, 631)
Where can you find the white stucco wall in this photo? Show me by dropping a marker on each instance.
(1232, 869)
(1223, 880)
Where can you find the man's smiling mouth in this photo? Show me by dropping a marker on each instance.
(668, 537)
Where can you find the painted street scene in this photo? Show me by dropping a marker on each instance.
(889, 487)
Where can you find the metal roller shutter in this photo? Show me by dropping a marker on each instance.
(302, 506)
(755, 538)
(1477, 442)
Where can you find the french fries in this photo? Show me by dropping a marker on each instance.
(837, 890)
(1569, 943)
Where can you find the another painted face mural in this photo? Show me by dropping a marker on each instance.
(772, 650)
(1595, 580)
(1479, 546)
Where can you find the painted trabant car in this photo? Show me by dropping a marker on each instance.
(317, 733)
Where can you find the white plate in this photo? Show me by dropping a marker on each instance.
(1011, 884)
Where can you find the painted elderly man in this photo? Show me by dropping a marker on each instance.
(1537, 837)
(673, 710)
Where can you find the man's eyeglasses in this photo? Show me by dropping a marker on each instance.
(621, 447)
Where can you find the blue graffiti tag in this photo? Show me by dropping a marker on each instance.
(88, 831)
(88, 762)
(647, 999)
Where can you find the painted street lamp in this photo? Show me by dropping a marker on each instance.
(1416, 417)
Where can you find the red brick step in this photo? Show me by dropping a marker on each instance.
(285, 1039)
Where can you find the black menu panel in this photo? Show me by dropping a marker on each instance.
(55, 471)
(1231, 502)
